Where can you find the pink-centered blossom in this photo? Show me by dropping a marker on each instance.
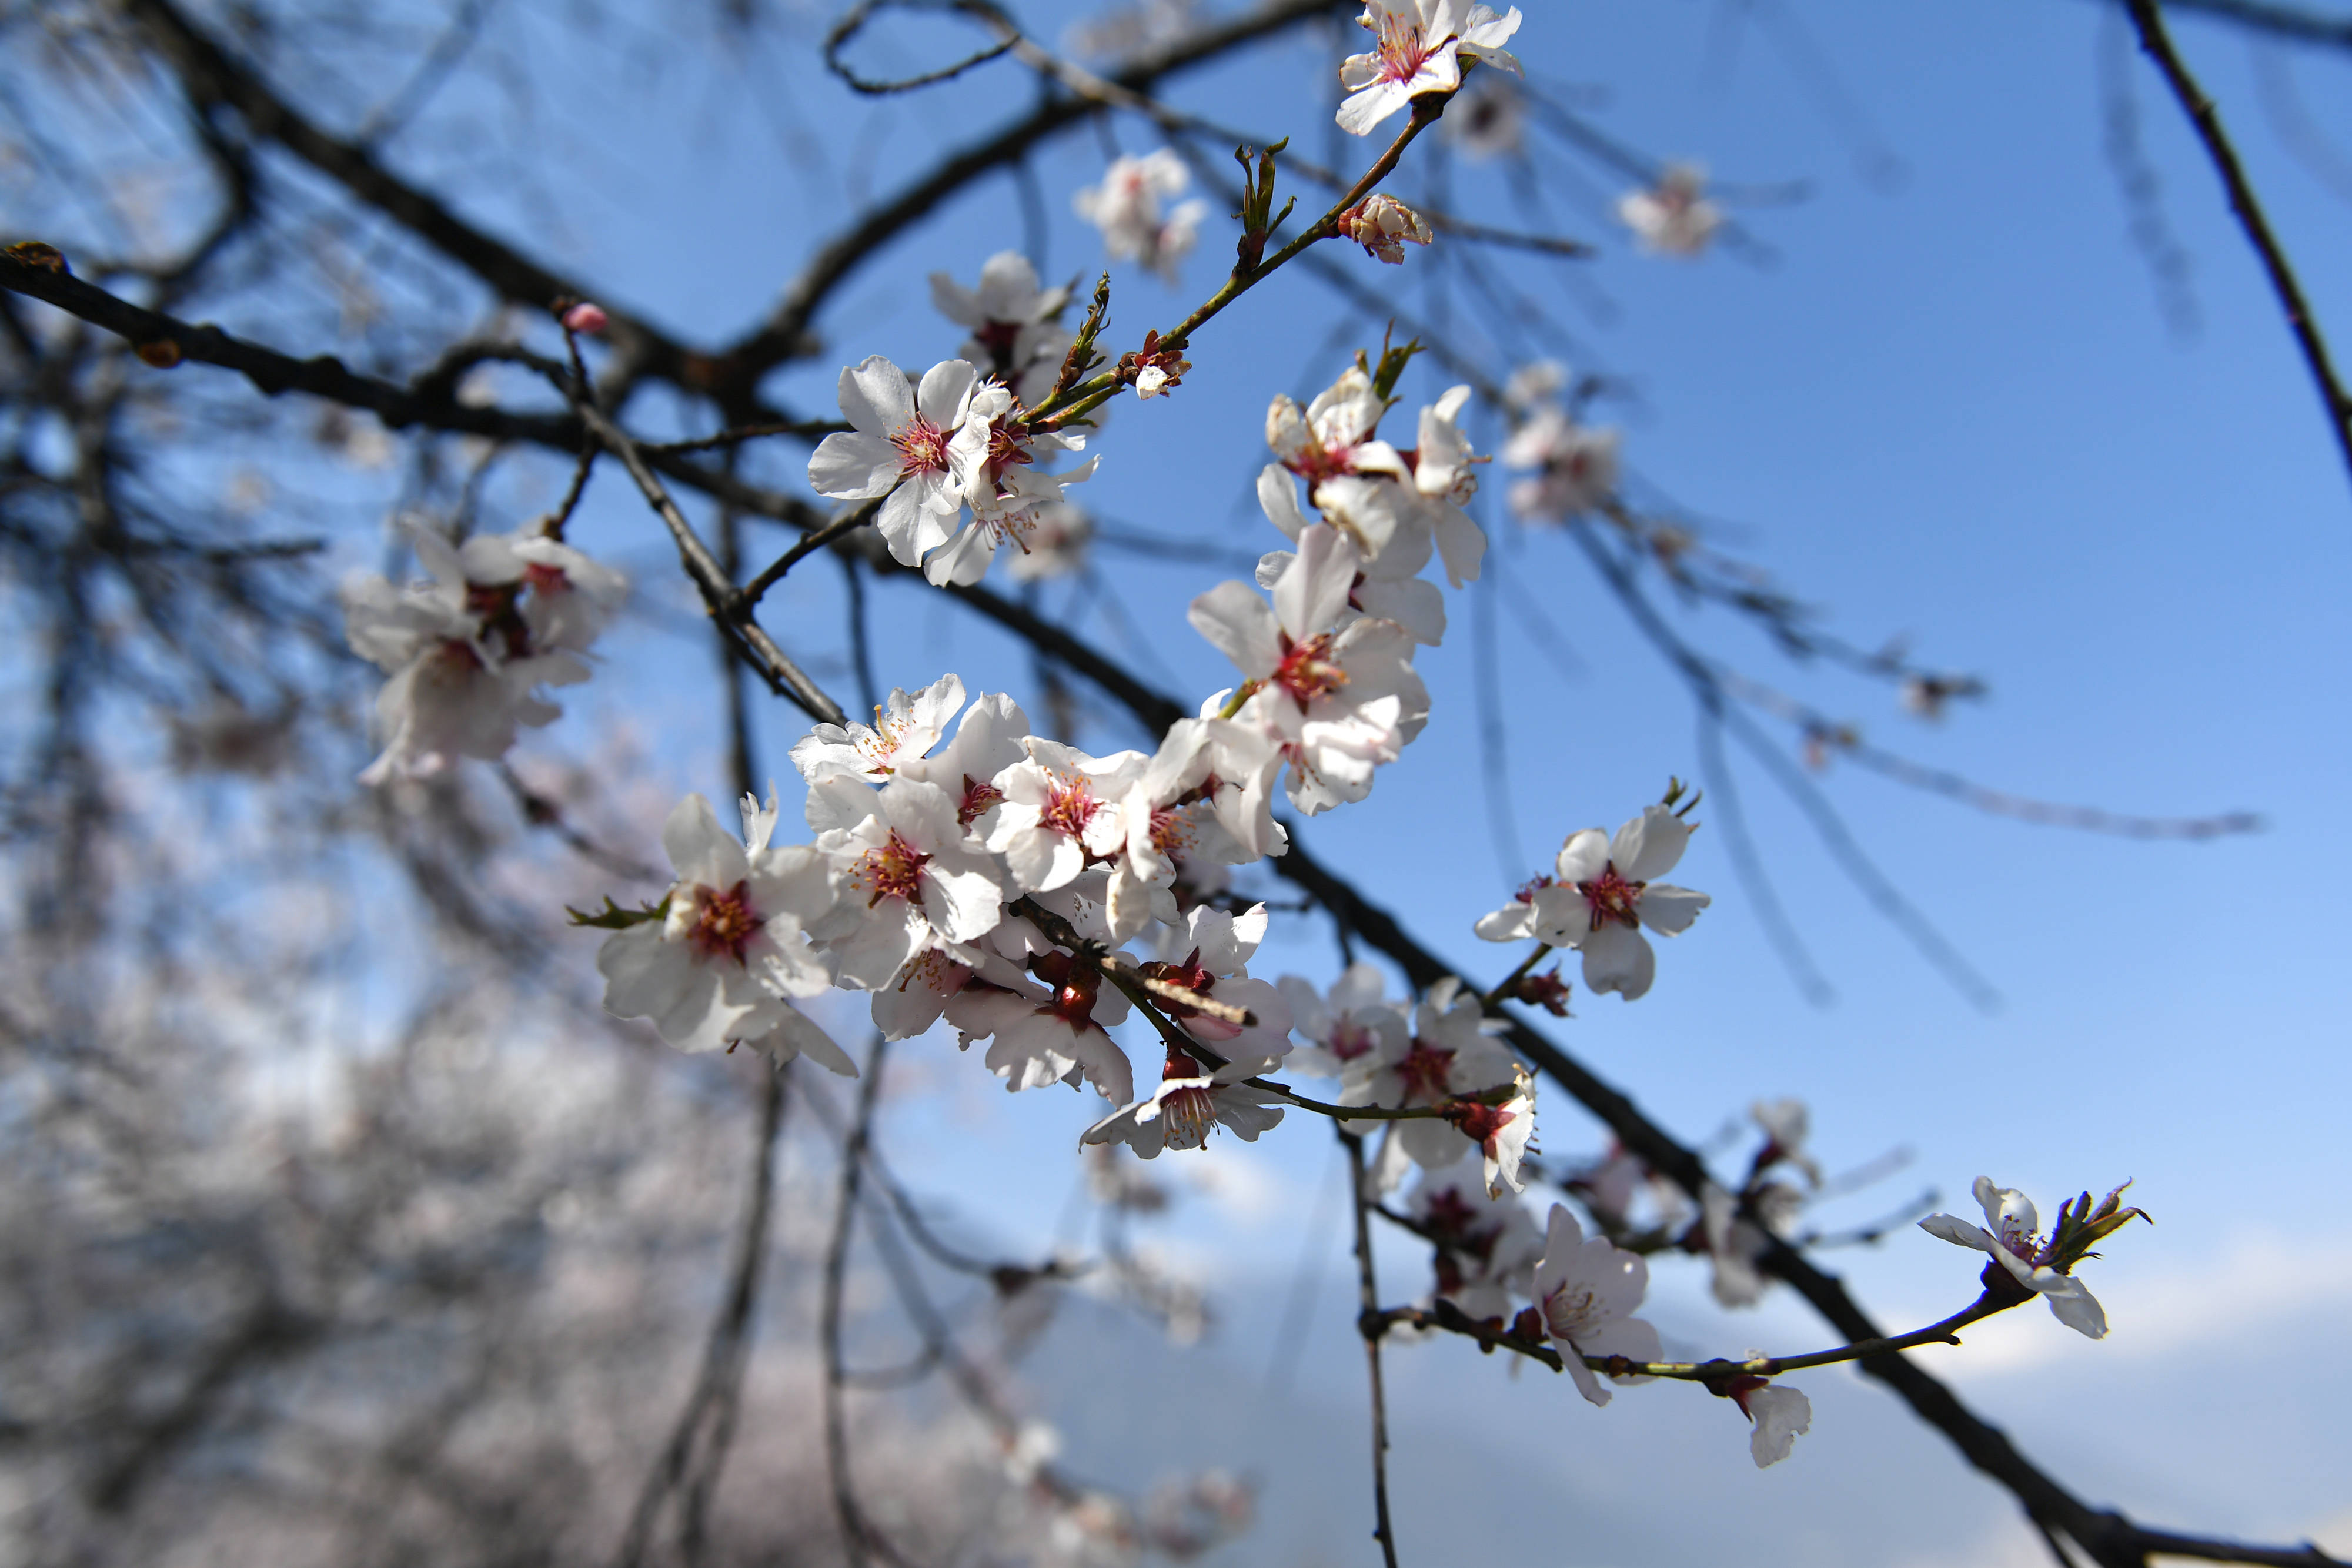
(1126, 208)
(1191, 1103)
(1217, 946)
(1419, 47)
(1016, 334)
(897, 447)
(994, 458)
(1172, 813)
(717, 968)
(909, 879)
(1353, 1024)
(902, 732)
(1059, 810)
(1586, 1289)
(1386, 587)
(1604, 894)
(1450, 1053)
(1052, 1032)
(2014, 1239)
(1487, 1246)
(1357, 481)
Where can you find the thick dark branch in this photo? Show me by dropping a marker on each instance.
(2148, 19)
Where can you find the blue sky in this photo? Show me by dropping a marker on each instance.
(1949, 409)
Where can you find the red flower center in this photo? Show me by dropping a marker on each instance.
(1425, 1071)
(1070, 805)
(1350, 1040)
(540, 578)
(1479, 1123)
(978, 797)
(724, 921)
(923, 447)
(1611, 897)
(1307, 670)
(894, 870)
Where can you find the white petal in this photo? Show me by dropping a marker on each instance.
(1669, 910)
(1780, 1413)
(1585, 855)
(1616, 959)
(2076, 1307)
(875, 396)
(1957, 1232)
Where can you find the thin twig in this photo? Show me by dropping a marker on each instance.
(2147, 19)
(1369, 1322)
(859, 1537)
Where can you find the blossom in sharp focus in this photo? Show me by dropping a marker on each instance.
(1057, 811)
(1672, 218)
(1504, 1132)
(1386, 587)
(1191, 1103)
(902, 732)
(1586, 1290)
(1015, 333)
(2016, 1243)
(908, 878)
(897, 447)
(1217, 967)
(994, 458)
(1445, 472)
(1602, 897)
(715, 970)
(1419, 47)
(1170, 813)
(1356, 480)
(1338, 703)
(1382, 225)
(1575, 467)
(1127, 207)
(991, 737)
(1057, 1032)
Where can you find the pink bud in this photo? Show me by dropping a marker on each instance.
(584, 317)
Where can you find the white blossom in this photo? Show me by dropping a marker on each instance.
(1127, 207)
(1672, 218)
(1353, 1026)
(715, 970)
(1217, 967)
(1051, 1034)
(1419, 47)
(1015, 332)
(2016, 1243)
(1587, 1288)
(1057, 811)
(1450, 1053)
(897, 447)
(909, 880)
(1486, 1246)
(1602, 897)
(1191, 1103)
(1338, 703)
(1576, 466)
(902, 732)
(1382, 225)
(994, 458)
(1782, 1414)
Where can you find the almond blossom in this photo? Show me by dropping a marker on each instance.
(897, 447)
(1354, 478)
(1056, 812)
(991, 737)
(1576, 466)
(1586, 1290)
(1353, 1027)
(1602, 897)
(1191, 1103)
(1735, 1244)
(1445, 472)
(1180, 809)
(1672, 218)
(1781, 1415)
(1385, 588)
(1420, 48)
(1015, 333)
(902, 732)
(715, 969)
(1487, 1246)
(994, 459)
(1126, 208)
(909, 880)
(1057, 1032)
(1338, 703)
(1217, 967)
(2016, 1243)
(1450, 1053)
(1055, 544)
(503, 616)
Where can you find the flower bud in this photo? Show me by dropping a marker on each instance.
(1381, 225)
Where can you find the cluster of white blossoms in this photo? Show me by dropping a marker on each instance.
(1126, 208)
(469, 651)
